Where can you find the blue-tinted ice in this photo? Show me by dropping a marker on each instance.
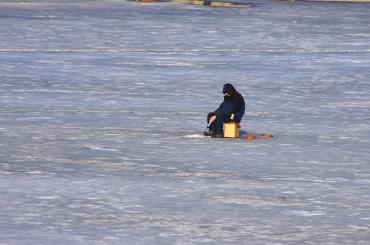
(102, 102)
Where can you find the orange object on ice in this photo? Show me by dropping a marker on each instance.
(265, 136)
(249, 137)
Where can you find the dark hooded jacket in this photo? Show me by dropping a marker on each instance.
(235, 100)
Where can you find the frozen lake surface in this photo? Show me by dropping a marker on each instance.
(102, 102)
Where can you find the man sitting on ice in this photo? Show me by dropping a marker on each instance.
(231, 110)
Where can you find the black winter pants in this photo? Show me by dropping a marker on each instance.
(222, 115)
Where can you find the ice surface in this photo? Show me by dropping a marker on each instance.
(102, 104)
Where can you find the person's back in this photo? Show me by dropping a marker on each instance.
(231, 109)
(236, 100)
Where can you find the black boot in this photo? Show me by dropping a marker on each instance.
(208, 132)
(217, 136)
